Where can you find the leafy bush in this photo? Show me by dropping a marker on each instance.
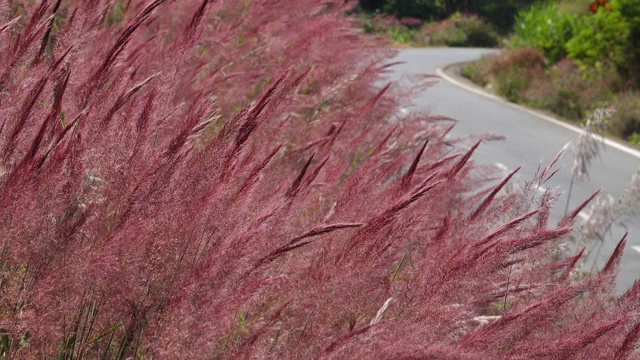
(564, 90)
(404, 35)
(545, 28)
(606, 35)
(477, 71)
(630, 10)
(423, 9)
(611, 35)
(522, 76)
(626, 117)
(513, 71)
(500, 14)
(599, 37)
(462, 31)
(479, 33)
(393, 29)
(195, 179)
(444, 33)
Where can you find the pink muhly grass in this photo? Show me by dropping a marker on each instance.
(221, 179)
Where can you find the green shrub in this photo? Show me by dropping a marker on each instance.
(608, 37)
(524, 76)
(512, 72)
(599, 37)
(462, 31)
(479, 33)
(612, 34)
(445, 35)
(630, 67)
(423, 9)
(404, 35)
(577, 7)
(565, 91)
(393, 28)
(477, 71)
(545, 28)
(500, 14)
(625, 121)
(511, 83)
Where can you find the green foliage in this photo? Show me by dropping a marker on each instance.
(566, 91)
(422, 9)
(476, 71)
(513, 71)
(511, 83)
(544, 28)
(369, 26)
(478, 32)
(625, 121)
(403, 35)
(462, 31)
(500, 14)
(115, 13)
(630, 68)
(592, 54)
(523, 76)
(599, 37)
(397, 32)
(4, 343)
(610, 36)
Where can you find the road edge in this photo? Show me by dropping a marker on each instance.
(442, 72)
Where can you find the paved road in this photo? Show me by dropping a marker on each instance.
(529, 140)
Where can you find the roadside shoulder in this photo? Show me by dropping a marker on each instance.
(451, 73)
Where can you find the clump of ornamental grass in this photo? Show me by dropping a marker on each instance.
(227, 179)
(587, 148)
(606, 211)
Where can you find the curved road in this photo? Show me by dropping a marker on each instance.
(529, 139)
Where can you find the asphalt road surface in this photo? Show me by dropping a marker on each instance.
(530, 138)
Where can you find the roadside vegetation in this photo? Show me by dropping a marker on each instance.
(459, 30)
(228, 179)
(571, 58)
(567, 57)
(441, 22)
